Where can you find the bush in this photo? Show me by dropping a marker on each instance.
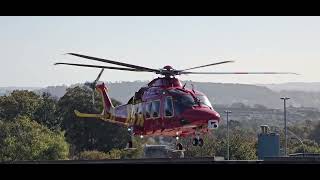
(25, 139)
(93, 155)
(99, 155)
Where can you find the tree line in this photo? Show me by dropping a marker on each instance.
(34, 127)
(42, 127)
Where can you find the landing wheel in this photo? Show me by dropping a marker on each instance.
(200, 142)
(195, 142)
(129, 145)
(179, 146)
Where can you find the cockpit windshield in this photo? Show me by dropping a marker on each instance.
(181, 100)
(204, 100)
(186, 100)
(183, 97)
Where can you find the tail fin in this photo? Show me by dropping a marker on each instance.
(107, 104)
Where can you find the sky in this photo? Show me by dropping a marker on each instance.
(29, 46)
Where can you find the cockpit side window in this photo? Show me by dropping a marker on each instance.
(204, 100)
(168, 107)
(138, 108)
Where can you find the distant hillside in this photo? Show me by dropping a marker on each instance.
(301, 98)
(218, 93)
(294, 86)
(57, 91)
(7, 90)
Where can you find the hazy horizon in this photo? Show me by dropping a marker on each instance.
(31, 45)
(149, 81)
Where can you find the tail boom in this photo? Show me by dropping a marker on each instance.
(107, 103)
(108, 114)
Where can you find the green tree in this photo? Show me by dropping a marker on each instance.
(100, 155)
(25, 139)
(46, 114)
(315, 133)
(309, 146)
(19, 102)
(209, 149)
(303, 129)
(242, 145)
(93, 155)
(8, 107)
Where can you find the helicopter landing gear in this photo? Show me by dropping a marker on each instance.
(129, 145)
(200, 142)
(197, 141)
(179, 146)
(130, 142)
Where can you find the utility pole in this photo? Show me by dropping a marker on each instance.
(285, 123)
(228, 146)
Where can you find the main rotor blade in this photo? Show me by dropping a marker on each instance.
(115, 62)
(97, 66)
(222, 62)
(186, 72)
(97, 79)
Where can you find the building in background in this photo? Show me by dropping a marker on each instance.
(268, 143)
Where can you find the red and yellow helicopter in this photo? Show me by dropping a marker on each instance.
(164, 107)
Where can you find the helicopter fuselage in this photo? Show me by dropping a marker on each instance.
(164, 108)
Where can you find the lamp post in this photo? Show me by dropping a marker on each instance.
(285, 123)
(228, 154)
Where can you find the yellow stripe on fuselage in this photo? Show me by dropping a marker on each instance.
(128, 114)
(141, 120)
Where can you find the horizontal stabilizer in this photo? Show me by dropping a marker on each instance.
(84, 115)
(105, 117)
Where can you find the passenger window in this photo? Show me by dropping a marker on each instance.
(156, 109)
(140, 108)
(136, 109)
(148, 109)
(168, 107)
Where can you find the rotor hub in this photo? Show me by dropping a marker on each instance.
(168, 68)
(167, 71)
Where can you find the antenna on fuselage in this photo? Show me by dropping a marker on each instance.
(184, 85)
(192, 88)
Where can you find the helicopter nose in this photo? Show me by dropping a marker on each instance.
(201, 116)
